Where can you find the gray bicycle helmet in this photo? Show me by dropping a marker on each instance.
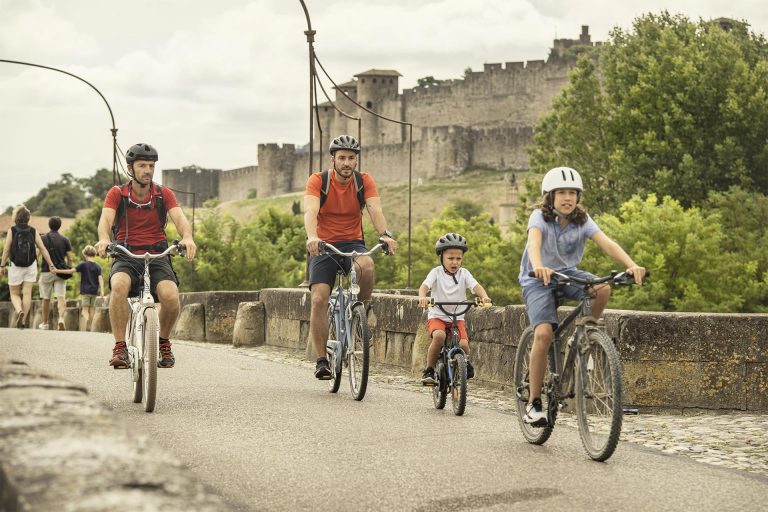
(450, 241)
(344, 142)
(140, 151)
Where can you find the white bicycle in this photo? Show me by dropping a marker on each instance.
(142, 332)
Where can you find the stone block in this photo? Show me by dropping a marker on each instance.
(220, 313)
(101, 321)
(249, 325)
(285, 332)
(398, 349)
(72, 319)
(191, 323)
(683, 384)
(396, 313)
(756, 387)
(291, 303)
(6, 314)
(419, 348)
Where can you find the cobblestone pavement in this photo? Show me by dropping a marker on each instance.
(734, 439)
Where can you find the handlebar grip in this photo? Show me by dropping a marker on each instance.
(384, 247)
(531, 274)
(321, 246)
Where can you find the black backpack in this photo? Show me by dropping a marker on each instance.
(157, 204)
(23, 252)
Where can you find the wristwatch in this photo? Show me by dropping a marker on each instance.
(386, 233)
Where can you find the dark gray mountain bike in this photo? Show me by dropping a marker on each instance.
(349, 336)
(586, 368)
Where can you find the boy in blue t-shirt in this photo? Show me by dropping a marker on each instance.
(91, 283)
(558, 230)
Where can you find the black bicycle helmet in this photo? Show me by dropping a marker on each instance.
(140, 151)
(450, 241)
(344, 142)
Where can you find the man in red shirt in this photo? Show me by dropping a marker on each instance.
(339, 222)
(141, 227)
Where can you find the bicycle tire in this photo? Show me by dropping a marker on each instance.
(135, 366)
(534, 435)
(149, 358)
(600, 410)
(360, 352)
(335, 381)
(440, 390)
(459, 384)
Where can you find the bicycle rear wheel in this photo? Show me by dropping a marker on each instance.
(149, 358)
(440, 390)
(459, 385)
(534, 435)
(335, 382)
(599, 399)
(359, 353)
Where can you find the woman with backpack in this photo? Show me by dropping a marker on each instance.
(20, 244)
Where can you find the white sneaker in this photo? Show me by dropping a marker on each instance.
(43, 327)
(534, 416)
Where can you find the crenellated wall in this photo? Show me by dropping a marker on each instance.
(484, 119)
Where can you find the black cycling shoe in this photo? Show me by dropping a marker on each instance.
(428, 377)
(323, 369)
(470, 370)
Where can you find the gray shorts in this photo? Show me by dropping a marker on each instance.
(540, 301)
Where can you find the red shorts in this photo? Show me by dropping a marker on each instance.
(434, 324)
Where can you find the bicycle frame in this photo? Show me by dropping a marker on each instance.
(449, 350)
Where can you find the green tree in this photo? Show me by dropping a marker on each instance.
(684, 250)
(674, 107)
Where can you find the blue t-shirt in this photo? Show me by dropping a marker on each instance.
(89, 277)
(561, 248)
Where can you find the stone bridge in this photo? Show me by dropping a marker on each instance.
(671, 360)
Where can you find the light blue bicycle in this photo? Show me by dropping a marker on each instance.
(349, 336)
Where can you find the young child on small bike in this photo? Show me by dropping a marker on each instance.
(448, 282)
(558, 230)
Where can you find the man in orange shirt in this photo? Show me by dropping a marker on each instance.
(339, 222)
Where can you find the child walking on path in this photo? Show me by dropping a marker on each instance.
(558, 230)
(91, 283)
(448, 282)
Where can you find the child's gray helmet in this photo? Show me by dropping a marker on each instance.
(451, 241)
(344, 142)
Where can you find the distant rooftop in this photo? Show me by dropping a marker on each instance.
(379, 72)
(348, 85)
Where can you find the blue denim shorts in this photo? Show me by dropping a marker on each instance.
(540, 300)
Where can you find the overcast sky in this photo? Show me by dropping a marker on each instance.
(205, 82)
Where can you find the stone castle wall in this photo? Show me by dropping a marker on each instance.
(485, 119)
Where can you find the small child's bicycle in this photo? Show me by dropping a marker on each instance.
(451, 368)
(142, 331)
(349, 336)
(586, 368)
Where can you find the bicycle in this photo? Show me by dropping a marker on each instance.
(587, 368)
(142, 332)
(451, 368)
(348, 321)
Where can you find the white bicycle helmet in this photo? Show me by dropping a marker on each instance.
(561, 177)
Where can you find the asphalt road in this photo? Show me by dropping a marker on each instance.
(266, 435)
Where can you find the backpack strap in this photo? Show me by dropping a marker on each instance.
(326, 186)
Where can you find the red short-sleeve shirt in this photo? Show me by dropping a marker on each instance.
(339, 219)
(143, 223)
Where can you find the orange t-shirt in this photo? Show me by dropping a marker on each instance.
(339, 219)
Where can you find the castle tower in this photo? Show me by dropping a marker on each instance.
(275, 174)
(377, 90)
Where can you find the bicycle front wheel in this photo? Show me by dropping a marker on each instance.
(599, 399)
(534, 435)
(440, 390)
(149, 358)
(359, 353)
(335, 382)
(459, 384)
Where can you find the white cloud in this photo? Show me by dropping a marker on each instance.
(207, 81)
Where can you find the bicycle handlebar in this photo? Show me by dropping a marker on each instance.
(175, 248)
(468, 303)
(618, 278)
(325, 247)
